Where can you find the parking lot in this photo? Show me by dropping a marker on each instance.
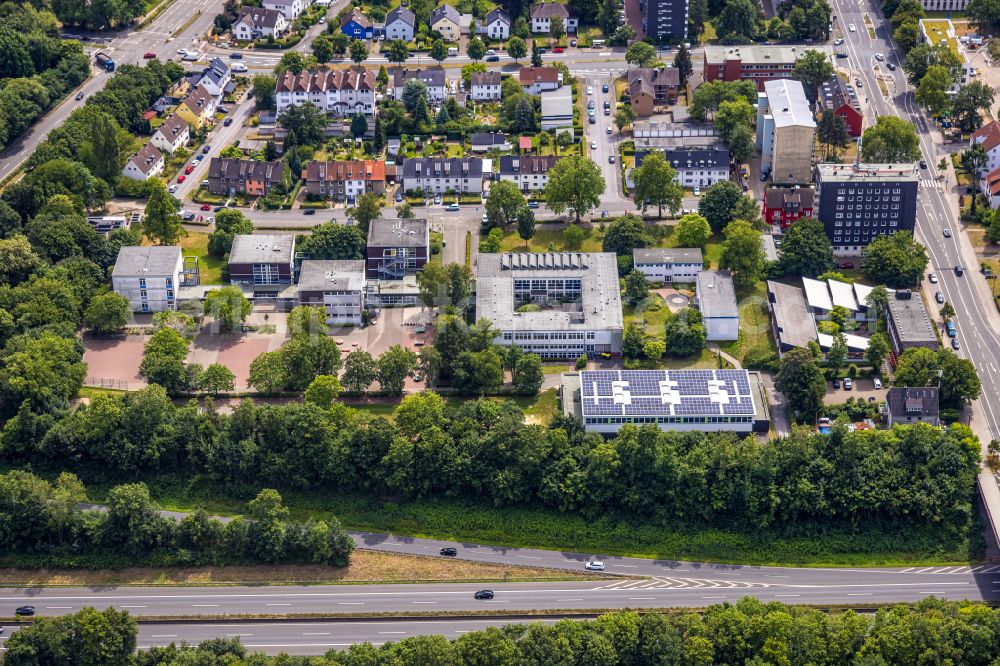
(862, 388)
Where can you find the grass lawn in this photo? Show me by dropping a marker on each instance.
(651, 318)
(755, 324)
(556, 369)
(94, 391)
(540, 408)
(706, 359)
(196, 244)
(546, 240)
(937, 32)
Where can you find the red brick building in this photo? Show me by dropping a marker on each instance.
(754, 63)
(785, 205)
(840, 97)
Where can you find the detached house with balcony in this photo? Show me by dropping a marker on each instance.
(400, 23)
(257, 22)
(216, 78)
(228, 177)
(346, 180)
(146, 163)
(442, 175)
(396, 248)
(357, 26)
(543, 13)
(197, 108)
(174, 133)
(341, 93)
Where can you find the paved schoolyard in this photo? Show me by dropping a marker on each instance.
(114, 363)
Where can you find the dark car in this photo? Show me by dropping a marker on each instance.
(959, 270)
(309, 211)
(30, 610)
(449, 552)
(892, 68)
(80, 95)
(836, 383)
(604, 88)
(484, 594)
(227, 122)
(841, 55)
(217, 209)
(532, 204)
(846, 264)
(205, 149)
(955, 344)
(236, 56)
(923, 164)
(493, 58)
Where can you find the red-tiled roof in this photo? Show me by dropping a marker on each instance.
(988, 136)
(531, 75)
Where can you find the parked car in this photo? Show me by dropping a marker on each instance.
(842, 55)
(607, 130)
(399, 197)
(484, 594)
(595, 565)
(877, 383)
(227, 122)
(437, 199)
(593, 145)
(490, 52)
(590, 90)
(206, 207)
(148, 55)
(223, 110)
(923, 164)
(880, 57)
(532, 204)
(181, 178)
(590, 104)
(955, 344)
(939, 297)
(836, 383)
(322, 20)
(890, 66)
(309, 211)
(604, 88)
(846, 264)
(611, 159)
(572, 42)
(172, 189)
(449, 552)
(240, 67)
(848, 384)
(932, 277)
(558, 49)
(188, 169)
(452, 207)
(838, 41)
(25, 610)
(493, 58)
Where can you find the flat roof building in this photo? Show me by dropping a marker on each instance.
(338, 286)
(262, 259)
(702, 400)
(668, 264)
(754, 63)
(909, 324)
(554, 304)
(396, 248)
(717, 301)
(148, 276)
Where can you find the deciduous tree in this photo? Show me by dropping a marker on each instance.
(656, 184)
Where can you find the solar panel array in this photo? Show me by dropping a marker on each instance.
(666, 393)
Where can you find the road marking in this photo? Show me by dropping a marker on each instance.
(775, 576)
(423, 602)
(392, 632)
(626, 566)
(788, 595)
(529, 557)
(497, 601)
(860, 594)
(350, 603)
(719, 597)
(133, 606)
(58, 607)
(316, 633)
(239, 634)
(164, 636)
(580, 599)
(277, 604)
(640, 598)
(205, 605)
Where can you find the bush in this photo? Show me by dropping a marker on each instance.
(950, 415)
(761, 358)
(581, 361)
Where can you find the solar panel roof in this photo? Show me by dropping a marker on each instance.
(666, 393)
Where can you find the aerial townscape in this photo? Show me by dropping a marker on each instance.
(499, 333)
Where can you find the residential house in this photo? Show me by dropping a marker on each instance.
(485, 141)
(989, 185)
(146, 163)
(257, 22)
(717, 301)
(536, 80)
(988, 136)
(785, 205)
(672, 264)
(396, 248)
(400, 23)
(649, 88)
(197, 108)
(543, 13)
(786, 131)
(447, 21)
(907, 404)
(336, 286)
(216, 77)
(441, 175)
(700, 167)
(339, 92)
(227, 177)
(754, 63)
(173, 133)
(346, 180)
(529, 172)
(357, 26)
(105, 224)
(262, 259)
(434, 79)
(839, 96)
(557, 110)
(485, 86)
(665, 20)
(290, 8)
(148, 276)
(496, 25)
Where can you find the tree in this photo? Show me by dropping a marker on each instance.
(974, 160)
(923, 56)
(947, 311)
(323, 391)
(331, 240)
(733, 114)
(228, 223)
(291, 61)
(741, 143)
(573, 237)
(624, 117)
(398, 52)
(607, 16)
(801, 380)
(718, 203)
(805, 249)
(812, 69)
(359, 126)
(322, 49)
(877, 302)
(624, 234)
(161, 221)
(632, 341)
(636, 287)
(895, 260)
(383, 77)
(557, 28)
(654, 349)
(685, 333)
(216, 379)
(475, 49)
(107, 313)
(360, 371)
(743, 253)
(878, 349)
(891, 140)
(516, 48)
(439, 51)
(984, 14)
(339, 43)
(907, 35)
(46, 371)
(640, 54)
(404, 211)
(414, 91)
(967, 104)
(836, 355)
(525, 224)
(575, 183)
(682, 61)
(394, 366)
(656, 183)
(163, 361)
(478, 372)
(17, 259)
(263, 91)
(536, 55)
(528, 375)
(832, 130)
(368, 207)
(960, 384)
(504, 204)
(359, 51)
(933, 90)
(693, 231)
(737, 23)
(228, 307)
(267, 372)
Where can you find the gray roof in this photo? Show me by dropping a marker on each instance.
(147, 158)
(448, 12)
(262, 249)
(667, 255)
(398, 233)
(716, 294)
(771, 55)
(795, 324)
(787, 103)
(551, 10)
(915, 402)
(770, 249)
(599, 307)
(835, 93)
(258, 17)
(147, 260)
(434, 77)
(866, 173)
(693, 158)
(401, 13)
(557, 102)
(910, 320)
(443, 167)
(497, 15)
(515, 165)
(488, 139)
(340, 275)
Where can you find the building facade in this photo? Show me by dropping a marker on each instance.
(336, 286)
(341, 93)
(447, 21)
(497, 25)
(262, 259)
(197, 108)
(441, 175)
(649, 88)
(173, 134)
(858, 202)
(665, 20)
(148, 276)
(400, 24)
(529, 172)
(257, 22)
(785, 132)
(674, 264)
(543, 13)
(146, 163)
(754, 63)
(357, 26)
(536, 80)
(839, 96)
(227, 177)
(906, 405)
(345, 180)
(485, 86)
(988, 136)
(435, 80)
(785, 205)
(909, 324)
(396, 248)
(289, 8)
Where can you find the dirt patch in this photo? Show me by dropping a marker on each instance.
(366, 566)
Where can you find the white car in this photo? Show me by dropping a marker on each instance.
(590, 90)
(172, 188)
(697, 191)
(852, 28)
(191, 56)
(880, 57)
(240, 67)
(932, 277)
(838, 41)
(593, 145)
(877, 383)
(595, 565)
(322, 19)
(182, 52)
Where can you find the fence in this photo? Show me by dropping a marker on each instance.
(104, 382)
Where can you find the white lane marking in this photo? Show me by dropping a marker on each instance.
(529, 557)
(392, 632)
(239, 634)
(133, 606)
(205, 605)
(788, 595)
(277, 604)
(578, 599)
(423, 602)
(497, 601)
(860, 594)
(350, 603)
(640, 598)
(315, 633)
(58, 607)
(626, 566)
(164, 636)
(775, 576)
(719, 597)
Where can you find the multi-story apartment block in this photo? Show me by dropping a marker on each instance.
(336, 286)
(754, 63)
(148, 276)
(396, 248)
(665, 20)
(227, 177)
(262, 259)
(649, 88)
(529, 172)
(785, 132)
(441, 175)
(346, 180)
(341, 93)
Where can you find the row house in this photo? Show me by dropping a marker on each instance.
(529, 172)
(346, 180)
(440, 175)
(341, 93)
(227, 177)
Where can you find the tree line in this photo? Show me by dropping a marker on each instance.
(42, 525)
(484, 450)
(749, 631)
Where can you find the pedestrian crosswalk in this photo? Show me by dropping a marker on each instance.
(662, 582)
(930, 183)
(964, 569)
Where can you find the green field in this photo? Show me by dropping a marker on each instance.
(196, 244)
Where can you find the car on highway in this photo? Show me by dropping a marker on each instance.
(181, 178)
(932, 277)
(309, 211)
(533, 204)
(449, 552)
(592, 118)
(947, 233)
(80, 95)
(611, 159)
(206, 207)
(236, 56)
(25, 610)
(484, 594)
(955, 344)
(838, 41)
(205, 149)
(852, 28)
(595, 565)
(880, 57)
(848, 384)
(452, 207)
(842, 55)
(188, 169)
(858, 83)
(227, 122)
(593, 145)
(604, 88)
(148, 55)
(923, 164)
(493, 58)
(590, 90)
(939, 297)
(959, 270)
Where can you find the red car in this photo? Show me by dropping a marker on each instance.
(558, 49)
(181, 178)
(846, 264)
(149, 55)
(188, 169)
(206, 207)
